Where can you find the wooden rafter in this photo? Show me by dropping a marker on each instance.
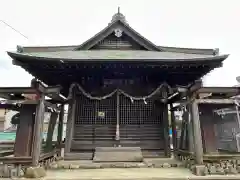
(17, 93)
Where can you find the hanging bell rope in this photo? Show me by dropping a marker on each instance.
(88, 95)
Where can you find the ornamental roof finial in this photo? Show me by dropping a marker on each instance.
(118, 16)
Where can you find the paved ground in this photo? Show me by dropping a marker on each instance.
(147, 162)
(130, 173)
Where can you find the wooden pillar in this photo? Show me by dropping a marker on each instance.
(70, 125)
(24, 134)
(185, 143)
(60, 126)
(183, 128)
(190, 127)
(174, 129)
(167, 150)
(38, 128)
(190, 131)
(117, 135)
(164, 106)
(197, 136)
(51, 127)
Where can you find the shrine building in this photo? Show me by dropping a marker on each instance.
(119, 87)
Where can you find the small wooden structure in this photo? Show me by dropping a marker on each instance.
(210, 129)
(32, 104)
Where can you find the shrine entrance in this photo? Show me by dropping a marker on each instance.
(118, 121)
(141, 125)
(95, 124)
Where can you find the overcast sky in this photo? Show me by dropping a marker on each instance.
(182, 23)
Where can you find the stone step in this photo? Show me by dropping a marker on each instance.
(113, 134)
(113, 138)
(82, 156)
(118, 154)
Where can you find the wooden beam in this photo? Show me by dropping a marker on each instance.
(14, 102)
(195, 86)
(179, 106)
(197, 135)
(182, 89)
(17, 90)
(222, 157)
(16, 160)
(39, 86)
(49, 154)
(51, 91)
(223, 90)
(38, 127)
(52, 106)
(57, 97)
(216, 101)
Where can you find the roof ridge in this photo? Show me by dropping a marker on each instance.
(205, 51)
(124, 23)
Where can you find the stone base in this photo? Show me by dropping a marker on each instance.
(35, 172)
(88, 164)
(118, 154)
(199, 170)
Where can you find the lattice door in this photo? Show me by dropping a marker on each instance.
(105, 125)
(141, 124)
(95, 123)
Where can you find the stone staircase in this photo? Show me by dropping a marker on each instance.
(148, 137)
(87, 137)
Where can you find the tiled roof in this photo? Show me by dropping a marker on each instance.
(115, 54)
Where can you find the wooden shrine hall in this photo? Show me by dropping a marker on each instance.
(120, 87)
